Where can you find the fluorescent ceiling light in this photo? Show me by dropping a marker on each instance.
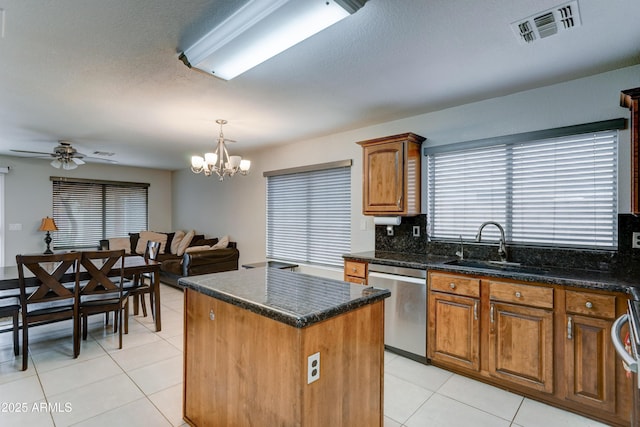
(262, 29)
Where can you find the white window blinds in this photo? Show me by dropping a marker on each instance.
(87, 211)
(559, 191)
(309, 215)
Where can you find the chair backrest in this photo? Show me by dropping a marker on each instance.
(51, 273)
(106, 272)
(152, 250)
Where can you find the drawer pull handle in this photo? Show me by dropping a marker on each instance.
(518, 295)
(452, 285)
(589, 304)
(211, 315)
(475, 310)
(570, 328)
(491, 313)
(354, 269)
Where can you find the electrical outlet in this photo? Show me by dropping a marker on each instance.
(635, 243)
(313, 368)
(389, 230)
(416, 231)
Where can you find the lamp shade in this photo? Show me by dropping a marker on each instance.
(48, 224)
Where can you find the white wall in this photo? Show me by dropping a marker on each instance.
(237, 206)
(28, 198)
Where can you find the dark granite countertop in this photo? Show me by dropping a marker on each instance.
(289, 297)
(555, 276)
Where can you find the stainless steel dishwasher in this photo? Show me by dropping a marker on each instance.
(405, 317)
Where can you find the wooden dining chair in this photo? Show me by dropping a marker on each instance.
(51, 295)
(139, 287)
(104, 291)
(10, 307)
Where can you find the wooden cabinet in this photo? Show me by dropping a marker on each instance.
(547, 342)
(391, 175)
(630, 99)
(589, 354)
(355, 272)
(454, 325)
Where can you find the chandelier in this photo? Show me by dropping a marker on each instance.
(220, 162)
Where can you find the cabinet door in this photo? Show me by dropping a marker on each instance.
(521, 345)
(384, 178)
(454, 330)
(590, 362)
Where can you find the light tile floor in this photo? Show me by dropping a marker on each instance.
(141, 385)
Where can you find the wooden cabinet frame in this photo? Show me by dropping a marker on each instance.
(630, 99)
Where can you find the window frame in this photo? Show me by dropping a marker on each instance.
(101, 204)
(503, 203)
(321, 253)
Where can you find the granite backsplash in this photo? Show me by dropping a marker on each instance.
(623, 262)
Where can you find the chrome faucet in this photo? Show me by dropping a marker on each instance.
(460, 253)
(502, 248)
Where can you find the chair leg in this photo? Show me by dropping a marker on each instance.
(85, 326)
(119, 317)
(25, 343)
(144, 305)
(76, 335)
(16, 332)
(126, 318)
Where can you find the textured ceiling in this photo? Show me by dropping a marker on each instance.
(105, 74)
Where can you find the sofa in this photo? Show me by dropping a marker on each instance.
(198, 255)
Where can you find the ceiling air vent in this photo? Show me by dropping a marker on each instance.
(548, 23)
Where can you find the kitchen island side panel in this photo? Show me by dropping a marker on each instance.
(242, 368)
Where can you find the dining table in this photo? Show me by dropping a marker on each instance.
(133, 265)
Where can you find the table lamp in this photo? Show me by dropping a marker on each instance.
(48, 225)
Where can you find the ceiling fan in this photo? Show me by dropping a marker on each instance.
(65, 156)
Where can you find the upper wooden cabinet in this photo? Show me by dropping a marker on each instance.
(630, 99)
(391, 175)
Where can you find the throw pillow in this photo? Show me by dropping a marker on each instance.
(119, 243)
(167, 248)
(186, 241)
(177, 238)
(196, 238)
(222, 243)
(197, 248)
(145, 236)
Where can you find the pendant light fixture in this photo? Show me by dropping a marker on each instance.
(220, 162)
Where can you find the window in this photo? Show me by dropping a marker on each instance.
(86, 211)
(559, 191)
(309, 214)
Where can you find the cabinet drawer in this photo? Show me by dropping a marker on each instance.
(534, 296)
(591, 304)
(355, 269)
(457, 285)
(357, 280)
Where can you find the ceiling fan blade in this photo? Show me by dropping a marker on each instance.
(99, 159)
(33, 152)
(77, 161)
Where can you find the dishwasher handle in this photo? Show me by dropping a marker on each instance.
(619, 346)
(387, 276)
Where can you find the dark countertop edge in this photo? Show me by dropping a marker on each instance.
(571, 278)
(284, 316)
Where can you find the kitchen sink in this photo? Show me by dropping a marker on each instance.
(513, 267)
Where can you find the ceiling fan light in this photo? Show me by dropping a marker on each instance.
(69, 166)
(56, 163)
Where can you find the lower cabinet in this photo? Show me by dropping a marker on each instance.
(355, 272)
(548, 342)
(590, 359)
(454, 330)
(521, 345)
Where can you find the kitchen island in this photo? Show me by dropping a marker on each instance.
(280, 348)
